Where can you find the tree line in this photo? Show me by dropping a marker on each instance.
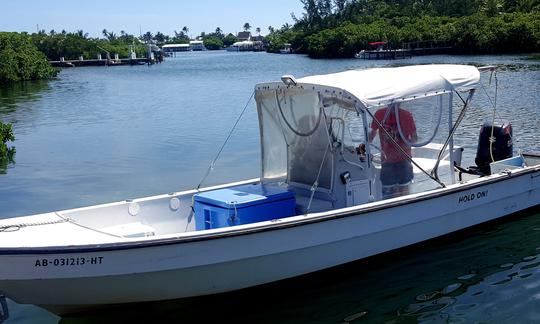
(340, 28)
(24, 56)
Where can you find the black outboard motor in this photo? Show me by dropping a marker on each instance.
(502, 146)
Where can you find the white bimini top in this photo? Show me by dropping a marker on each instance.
(381, 86)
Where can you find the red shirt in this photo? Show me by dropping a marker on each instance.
(391, 154)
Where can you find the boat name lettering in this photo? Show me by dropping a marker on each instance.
(66, 262)
(473, 196)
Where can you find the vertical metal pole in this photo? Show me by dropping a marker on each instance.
(451, 143)
(370, 169)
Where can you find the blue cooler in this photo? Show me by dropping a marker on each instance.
(242, 205)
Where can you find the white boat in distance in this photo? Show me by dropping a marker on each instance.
(318, 203)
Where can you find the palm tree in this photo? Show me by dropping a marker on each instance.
(185, 30)
(258, 31)
(147, 37)
(271, 29)
(82, 34)
(160, 38)
(247, 27)
(111, 36)
(218, 31)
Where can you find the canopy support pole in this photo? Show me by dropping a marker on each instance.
(451, 135)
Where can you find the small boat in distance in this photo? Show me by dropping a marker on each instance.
(246, 46)
(380, 51)
(322, 199)
(287, 49)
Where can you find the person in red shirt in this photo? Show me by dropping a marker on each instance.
(396, 168)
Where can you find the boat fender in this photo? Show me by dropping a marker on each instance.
(134, 208)
(174, 204)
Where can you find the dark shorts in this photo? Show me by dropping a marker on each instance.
(399, 173)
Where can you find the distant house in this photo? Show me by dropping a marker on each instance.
(244, 36)
(257, 38)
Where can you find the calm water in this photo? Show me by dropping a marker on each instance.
(98, 135)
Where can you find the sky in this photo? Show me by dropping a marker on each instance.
(166, 16)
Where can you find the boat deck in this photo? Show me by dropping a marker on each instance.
(50, 229)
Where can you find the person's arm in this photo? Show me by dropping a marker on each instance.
(374, 127)
(410, 127)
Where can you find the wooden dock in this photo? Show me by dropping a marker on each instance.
(102, 62)
(384, 54)
(408, 50)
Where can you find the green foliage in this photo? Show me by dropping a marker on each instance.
(20, 60)
(340, 28)
(7, 154)
(72, 45)
(229, 40)
(213, 43)
(179, 38)
(286, 35)
(505, 33)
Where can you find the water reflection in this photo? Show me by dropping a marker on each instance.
(7, 153)
(505, 284)
(502, 295)
(15, 95)
(7, 158)
(11, 98)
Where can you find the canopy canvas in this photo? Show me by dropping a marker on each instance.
(382, 86)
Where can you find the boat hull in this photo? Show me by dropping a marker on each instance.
(177, 268)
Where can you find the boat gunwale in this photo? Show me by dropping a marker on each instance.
(277, 225)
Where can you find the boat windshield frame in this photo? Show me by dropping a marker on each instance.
(350, 102)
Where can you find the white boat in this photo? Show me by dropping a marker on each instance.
(245, 46)
(317, 204)
(197, 45)
(287, 49)
(360, 55)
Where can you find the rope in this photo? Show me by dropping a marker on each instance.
(18, 226)
(316, 183)
(491, 138)
(290, 126)
(494, 105)
(63, 219)
(211, 167)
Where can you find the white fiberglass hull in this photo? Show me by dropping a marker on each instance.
(64, 280)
